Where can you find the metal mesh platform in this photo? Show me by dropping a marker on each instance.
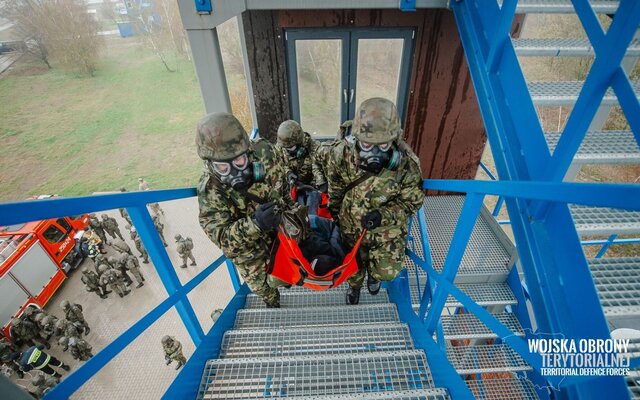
(485, 294)
(485, 257)
(633, 383)
(310, 298)
(485, 358)
(563, 47)
(564, 6)
(468, 326)
(617, 281)
(314, 376)
(565, 93)
(326, 316)
(604, 147)
(604, 221)
(315, 341)
(503, 388)
(425, 394)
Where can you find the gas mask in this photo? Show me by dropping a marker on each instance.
(295, 152)
(239, 173)
(375, 157)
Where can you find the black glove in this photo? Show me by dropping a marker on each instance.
(266, 217)
(291, 178)
(371, 220)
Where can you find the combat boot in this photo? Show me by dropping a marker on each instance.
(127, 292)
(180, 364)
(139, 285)
(373, 285)
(65, 367)
(183, 266)
(353, 296)
(193, 264)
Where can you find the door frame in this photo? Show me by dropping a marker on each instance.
(350, 37)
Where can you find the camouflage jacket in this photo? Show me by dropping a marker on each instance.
(80, 350)
(172, 349)
(120, 245)
(226, 214)
(110, 276)
(110, 224)
(395, 194)
(181, 247)
(91, 279)
(74, 313)
(95, 224)
(303, 166)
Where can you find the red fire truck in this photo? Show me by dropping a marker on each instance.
(35, 258)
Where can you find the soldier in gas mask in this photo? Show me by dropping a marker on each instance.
(374, 184)
(242, 194)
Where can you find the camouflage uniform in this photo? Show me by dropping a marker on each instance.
(92, 281)
(138, 242)
(96, 226)
(110, 226)
(121, 246)
(69, 329)
(48, 325)
(125, 215)
(26, 332)
(43, 385)
(73, 313)
(183, 250)
(173, 351)
(290, 134)
(113, 278)
(160, 228)
(80, 349)
(156, 209)
(130, 263)
(226, 214)
(396, 194)
(121, 266)
(142, 184)
(6, 351)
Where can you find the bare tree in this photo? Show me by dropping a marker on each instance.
(58, 30)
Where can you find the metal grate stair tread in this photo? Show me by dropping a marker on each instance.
(633, 383)
(570, 47)
(603, 147)
(604, 221)
(321, 316)
(564, 6)
(249, 378)
(468, 326)
(309, 298)
(485, 294)
(565, 93)
(617, 281)
(486, 259)
(503, 388)
(424, 394)
(315, 341)
(485, 358)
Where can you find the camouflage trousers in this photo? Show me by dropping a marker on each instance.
(114, 232)
(178, 356)
(383, 259)
(143, 252)
(187, 255)
(136, 274)
(119, 288)
(254, 273)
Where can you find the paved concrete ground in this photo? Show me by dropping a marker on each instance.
(139, 371)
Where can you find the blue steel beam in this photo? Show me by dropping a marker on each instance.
(233, 275)
(167, 273)
(81, 375)
(615, 195)
(562, 292)
(33, 210)
(610, 51)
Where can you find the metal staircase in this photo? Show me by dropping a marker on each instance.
(317, 347)
(472, 348)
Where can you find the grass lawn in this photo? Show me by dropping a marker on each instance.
(74, 136)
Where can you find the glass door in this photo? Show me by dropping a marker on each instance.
(330, 71)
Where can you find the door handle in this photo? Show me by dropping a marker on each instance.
(351, 96)
(344, 95)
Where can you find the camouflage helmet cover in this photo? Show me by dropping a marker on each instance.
(178, 237)
(165, 339)
(84, 270)
(37, 380)
(111, 260)
(290, 134)
(376, 121)
(28, 311)
(64, 304)
(39, 317)
(102, 268)
(221, 137)
(63, 341)
(61, 324)
(104, 216)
